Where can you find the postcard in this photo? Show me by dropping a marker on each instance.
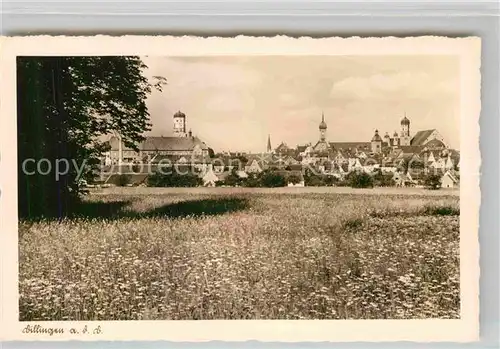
(247, 188)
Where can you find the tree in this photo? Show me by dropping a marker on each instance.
(64, 107)
(174, 179)
(211, 153)
(432, 181)
(294, 178)
(232, 179)
(360, 180)
(271, 179)
(252, 181)
(383, 179)
(311, 179)
(124, 180)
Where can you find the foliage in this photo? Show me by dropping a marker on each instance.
(312, 179)
(271, 179)
(124, 180)
(432, 181)
(359, 179)
(211, 153)
(232, 180)
(243, 159)
(136, 168)
(301, 256)
(64, 105)
(294, 178)
(252, 181)
(383, 179)
(173, 179)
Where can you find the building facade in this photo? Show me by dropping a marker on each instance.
(181, 146)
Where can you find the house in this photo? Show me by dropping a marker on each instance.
(416, 176)
(449, 163)
(449, 180)
(354, 164)
(283, 149)
(351, 146)
(258, 162)
(209, 178)
(423, 137)
(439, 164)
(253, 166)
(221, 164)
(402, 180)
(304, 150)
(242, 174)
(186, 147)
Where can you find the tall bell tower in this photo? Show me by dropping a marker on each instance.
(180, 124)
(322, 128)
(405, 131)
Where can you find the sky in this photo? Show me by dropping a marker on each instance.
(235, 102)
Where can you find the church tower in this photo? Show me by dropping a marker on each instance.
(405, 131)
(269, 148)
(322, 128)
(395, 139)
(180, 124)
(376, 143)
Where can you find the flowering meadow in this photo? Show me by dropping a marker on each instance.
(244, 256)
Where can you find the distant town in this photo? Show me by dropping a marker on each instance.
(402, 159)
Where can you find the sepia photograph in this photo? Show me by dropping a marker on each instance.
(240, 187)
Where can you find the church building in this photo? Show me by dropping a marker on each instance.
(322, 145)
(181, 146)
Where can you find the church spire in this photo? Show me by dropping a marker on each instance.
(269, 148)
(322, 128)
(322, 124)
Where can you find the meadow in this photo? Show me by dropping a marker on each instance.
(216, 255)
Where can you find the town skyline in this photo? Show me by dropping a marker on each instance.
(235, 103)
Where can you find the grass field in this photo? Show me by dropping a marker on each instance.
(248, 255)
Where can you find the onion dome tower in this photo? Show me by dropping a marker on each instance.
(322, 128)
(405, 131)
(376, 143)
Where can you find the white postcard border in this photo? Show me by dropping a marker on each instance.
(464, 329)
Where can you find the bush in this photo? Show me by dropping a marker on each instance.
(360, 180)
(232, 179)
(383, 179)
(312, 179)
(294, 178)
(442, 210)
(173, 180)
(432, 181)
(136, 168)
(270, 179)
(124, 180)
(252, 181)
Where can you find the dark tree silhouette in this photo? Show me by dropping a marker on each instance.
(211, 153)
(64, 106)
(432, 181)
